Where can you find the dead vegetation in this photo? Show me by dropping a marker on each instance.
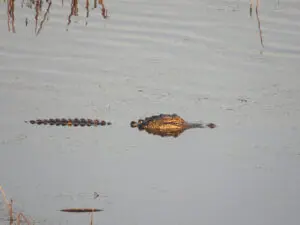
(42, 11)
(258, 20)
(18, 218)
(15, 218)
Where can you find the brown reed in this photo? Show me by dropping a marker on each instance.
(24, 218)
(92, 218)
(38, 9)
(87, 6)
(39, 21)
(8, 205)
(103, 9)
(258, 22)
(45, 16)
(11, 15)
(74, 11)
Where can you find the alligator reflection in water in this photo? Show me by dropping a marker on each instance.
(167, 125)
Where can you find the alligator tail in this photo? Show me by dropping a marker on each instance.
(69, 122)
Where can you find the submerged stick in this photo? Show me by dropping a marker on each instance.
(81, 210)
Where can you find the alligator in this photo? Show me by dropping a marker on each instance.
(167, 125)
(69, 122)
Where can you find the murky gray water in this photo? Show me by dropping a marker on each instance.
(194, 58)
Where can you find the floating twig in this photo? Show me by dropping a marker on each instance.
(96, 195)
(81, 210)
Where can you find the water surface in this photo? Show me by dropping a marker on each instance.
(200, 59)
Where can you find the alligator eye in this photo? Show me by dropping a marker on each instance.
(133, 124)
(141, 126)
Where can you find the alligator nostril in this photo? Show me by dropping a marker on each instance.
(211, 125)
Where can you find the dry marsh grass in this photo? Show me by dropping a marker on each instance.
(18, 218)
(13, 220)
(258, 20)
(42, 10)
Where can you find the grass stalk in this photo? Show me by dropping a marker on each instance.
(103, 9)
(87, 6)
(258, 22)
(8, 205)
(24, 218)
(45, 16)
(92, 218)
